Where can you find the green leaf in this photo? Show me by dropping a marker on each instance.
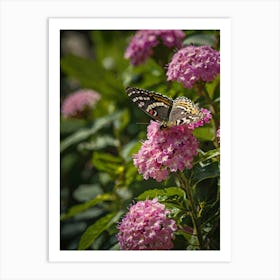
(92, 213)
(122, 122)
(175, 209)
(77, 209)
(204, 133)
(115, 247)
(124, 193)
(162, 194)
(105, 157)
(96, 229)
(194, 244)
(131, 174)
(210, 213)
(87, 192)
(99, 143)
(84, 133)
(71, 230)
(109, 48)
(203, 172)
(135, 149)
(130, 149)
(108, 163)
(204, 156)
(153, 73)
(71, 125)
(200, 39)
(90, 74)
(211, 87)
(187, 232)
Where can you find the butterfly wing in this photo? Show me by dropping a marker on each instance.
(154, 104)
(184, 111)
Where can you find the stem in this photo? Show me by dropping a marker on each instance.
(196, 223)
(203, 92)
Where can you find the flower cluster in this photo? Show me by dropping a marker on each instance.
(165, 150)
(207, 116)
(192, 63)
(142, 44)
(78, 102)
(146, 227)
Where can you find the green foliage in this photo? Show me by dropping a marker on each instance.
(84, 133)
(201, 39)
(91, 75)
(107, 163)
(205, 133)
(211, 154)
(96, 229)
(171, 194)
(203, 172)
(77, 209)
(98, 178)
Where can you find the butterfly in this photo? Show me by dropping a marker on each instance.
(164, 109)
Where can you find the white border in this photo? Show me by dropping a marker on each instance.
(24, 140)
(55, 25)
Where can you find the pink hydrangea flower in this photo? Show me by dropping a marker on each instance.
(166, 150)
(146, 227)
(78, 102)
(192, 63)
(207, 116)
(143, 42)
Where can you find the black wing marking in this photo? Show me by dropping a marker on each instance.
(156, 105)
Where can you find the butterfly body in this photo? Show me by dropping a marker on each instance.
(164, 109)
